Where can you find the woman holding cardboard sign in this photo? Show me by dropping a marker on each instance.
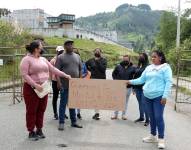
(35, 71)
(158, 80)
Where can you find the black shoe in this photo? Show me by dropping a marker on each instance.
(76, 126)
(139, 120)
(66, 117)
(55, 117)
(61, 127)
(79, 116)
(33, 136)
(146, 123)
(40, 134)
(96, 116)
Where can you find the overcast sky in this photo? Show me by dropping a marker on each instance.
(85, 7)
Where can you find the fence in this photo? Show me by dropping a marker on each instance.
(10, 79)
(11, 82)
(183, 80)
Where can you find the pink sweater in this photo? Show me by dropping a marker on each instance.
(36, 70)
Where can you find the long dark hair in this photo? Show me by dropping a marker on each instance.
(32, 46)
(161, 56)
(145, 62)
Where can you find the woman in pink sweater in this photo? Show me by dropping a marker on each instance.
(35, 71)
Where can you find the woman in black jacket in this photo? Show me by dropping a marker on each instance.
(124, 71)
(97, 66)
(138, 89)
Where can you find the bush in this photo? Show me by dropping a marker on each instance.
(11, 36)
(65, 36)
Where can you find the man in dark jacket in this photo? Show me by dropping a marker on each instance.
(97, 66)
(124, 71)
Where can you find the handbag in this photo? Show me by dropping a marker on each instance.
(46, 89)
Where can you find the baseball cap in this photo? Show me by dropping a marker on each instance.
(68, 41)
(59, 48)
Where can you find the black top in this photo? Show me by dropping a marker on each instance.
(138, 73)
(122, 72)
(97, 68)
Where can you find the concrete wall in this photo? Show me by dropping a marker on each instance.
(71, 33)
(90, 35)
(50, 32)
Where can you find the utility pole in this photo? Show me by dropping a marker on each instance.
(178, 50)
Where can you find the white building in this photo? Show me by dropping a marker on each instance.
(30, 18)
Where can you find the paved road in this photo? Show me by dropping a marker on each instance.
(96, 135)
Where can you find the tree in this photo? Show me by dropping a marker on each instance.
(122, 7)
(167, 36)
(10, 37)
(144, 7)
(4, 12)
(187, 13)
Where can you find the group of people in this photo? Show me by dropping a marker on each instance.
(150, 83)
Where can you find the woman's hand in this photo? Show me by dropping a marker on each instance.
(38, 87)
(68, 77)
(163, 101)
(127, 82)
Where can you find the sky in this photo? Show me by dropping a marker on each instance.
(87, 7)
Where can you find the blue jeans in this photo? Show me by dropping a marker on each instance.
(78, 111)
(155, 111)
(128, 93)
(62, 109)
(141, 101)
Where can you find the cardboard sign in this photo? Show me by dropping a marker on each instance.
(97, 94)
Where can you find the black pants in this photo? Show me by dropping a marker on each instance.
(55, 97)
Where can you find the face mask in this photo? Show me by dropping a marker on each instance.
(141, 60)
(97, 55)
(69, 50)
(60, 52)
(42, 51)
(125, 63)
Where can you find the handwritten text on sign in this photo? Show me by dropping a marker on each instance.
(97, 94)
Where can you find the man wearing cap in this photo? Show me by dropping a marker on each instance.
(70, 63)
(55, 89)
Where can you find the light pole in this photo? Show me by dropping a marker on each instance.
(178, 50)
(178, 26)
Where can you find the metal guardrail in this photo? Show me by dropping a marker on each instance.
(10, 78)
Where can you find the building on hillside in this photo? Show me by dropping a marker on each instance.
(30, 18)
(64, 21)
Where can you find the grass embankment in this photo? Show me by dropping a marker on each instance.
(86, 47)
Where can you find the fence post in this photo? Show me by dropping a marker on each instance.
(13, 78)
(177, 77)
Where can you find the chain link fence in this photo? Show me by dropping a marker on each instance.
(183, 79)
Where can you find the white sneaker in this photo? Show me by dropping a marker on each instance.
(150, 139)
(124, 117)
(161, 144)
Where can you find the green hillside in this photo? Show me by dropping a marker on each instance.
(86, 47)
(127, 20)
